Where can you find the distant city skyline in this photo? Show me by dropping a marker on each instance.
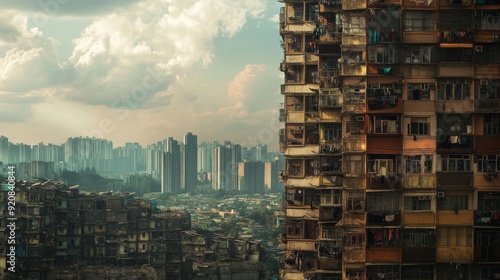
(246, 144)
(129, 71)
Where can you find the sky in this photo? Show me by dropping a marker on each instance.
(140, 70)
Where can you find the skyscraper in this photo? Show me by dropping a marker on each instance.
(171, 166)
(4, 149)
(190, 162)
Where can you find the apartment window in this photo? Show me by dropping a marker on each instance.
(419, 54)
(454, 124)
(294, 104)
(418, 203)
(330, 100)
(296, 12)
(421, 272)
(385, 124)
(419, 21)
(384, 237)
(419, 91)
(491, 91)
(488, 163)
(488, 20)
(331, 232)
(455, 20)
(354, 164)
(455, 55)
(382, 203)
(487, 238)
(385, 92)
(455, 163)
(355, 203)
(414, 164)
(454, 237)
(419, 126)
(293, 74)
(488, 54)
(453, 202)
(381, 166)
(332, 132)
(295, 196)
(294, 167)
(354, 95)
(491, 124)
(419, 238)
(354, 240)
(488, 201)
(383, 54)
(293, 43)
(331, 197)
(353, 23)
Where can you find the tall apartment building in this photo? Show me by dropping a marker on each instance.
(190, 159)
(391, 112)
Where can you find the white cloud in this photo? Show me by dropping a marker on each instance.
(238, 88)
(275, 18)
(136, 64)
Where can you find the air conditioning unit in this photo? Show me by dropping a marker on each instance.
(479, 48)
(360, 118)
(483, 82)
(354, 130)
(440, 194)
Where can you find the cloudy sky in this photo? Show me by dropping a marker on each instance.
(139, 70)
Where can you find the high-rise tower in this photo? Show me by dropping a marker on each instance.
(391, 112)
(190, 162)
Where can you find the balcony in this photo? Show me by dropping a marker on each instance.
(329, 78)
(297, 27)
(415, 254)
(487, 254)
(417, 181)
(386, 254)
(384, 144)
(454, 254)
(455, 180)
(420, 144)
(448, 142)
(420, 219)
(385, 105)
(487, 218)
(455, 106)
(297, 89)
(390, 181)
(330, 101)
(330, 165)
(353, 144)
(384, 219)
(455, 218)
(329, 33)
